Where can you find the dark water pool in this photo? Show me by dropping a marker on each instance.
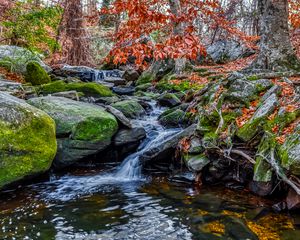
(95, 206)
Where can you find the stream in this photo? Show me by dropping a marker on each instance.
(126, 202)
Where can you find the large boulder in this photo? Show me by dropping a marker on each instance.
(169, 100)
(82, 129)
(19, 57)
(227, 50)
(27, 140)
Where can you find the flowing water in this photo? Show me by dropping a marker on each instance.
(122, 203)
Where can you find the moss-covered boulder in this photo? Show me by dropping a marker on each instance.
(196, 162)
(146, 77)
(27, 140)
(130, 108)
(82, 129)
(36, 75)
(90, 89)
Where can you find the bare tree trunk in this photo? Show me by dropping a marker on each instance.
(73, 35)
(175, 8)
(276, 51)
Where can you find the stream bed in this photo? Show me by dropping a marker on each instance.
(121, 202)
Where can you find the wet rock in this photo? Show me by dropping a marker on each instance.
(27, 140)
(82, 129)
(124, 90)
(89, 74)
(120, 116)
(129, 136)
(20, 57)
(169, 100)
(130, 108)
(238, 230)
(196, 162)
(293, 200)
(261, 188)
(159, 149)
(195, 146)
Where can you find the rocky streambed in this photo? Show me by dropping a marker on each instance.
(119, 152)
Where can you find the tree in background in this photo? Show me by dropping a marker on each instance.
(173, 24)
(276, 51)
(73, 36)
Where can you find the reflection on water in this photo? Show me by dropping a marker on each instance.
(153, 209)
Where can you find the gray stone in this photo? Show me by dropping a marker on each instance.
(120, 116)
(68, 94)
(196, 162)
(169, 100)
(129, 136)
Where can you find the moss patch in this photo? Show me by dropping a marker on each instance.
(36, 75)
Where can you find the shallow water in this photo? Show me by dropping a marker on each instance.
(157, 208)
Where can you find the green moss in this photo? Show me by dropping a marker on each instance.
(7, 65)
(215, 77)
(249, 130)
(175, 118)
(36, 75)
(95, 129)
(129, 108)
(143, 87)
(145, 78)
(27, 148)
(252, 78)
(86, 88)
(200, 70)
(183, 86)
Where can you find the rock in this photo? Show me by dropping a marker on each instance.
(20, 57)
(27, 140)
(120, 116)
(249, 130)
(195, 146)
(69, 94)
(130, 108)
(196, 162)
(107, 100)
(82, 129)
(290, 153)
(146, 77)
(166, 144)
(238, 230)
(36, 75)
(10, 86)
(276, 89)
(169, 100)
(241, 90)
(123, 90)
(131, 75)
(89, 74)
(174, 118)
(129, 136)
(89, 89)
(292, 200)
(223, 51)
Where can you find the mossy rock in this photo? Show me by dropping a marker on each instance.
(289, 153)
(143, 87)
(175, 118)
(169, 100)
(90, 89)
(130, 108)
(146, 77)
(83, 129)
(27, 140)
(36, 75)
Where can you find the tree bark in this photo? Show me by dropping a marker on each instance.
(175, 8)
(276, 51)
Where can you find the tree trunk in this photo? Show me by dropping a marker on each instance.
(175, 8)
(276, 51)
